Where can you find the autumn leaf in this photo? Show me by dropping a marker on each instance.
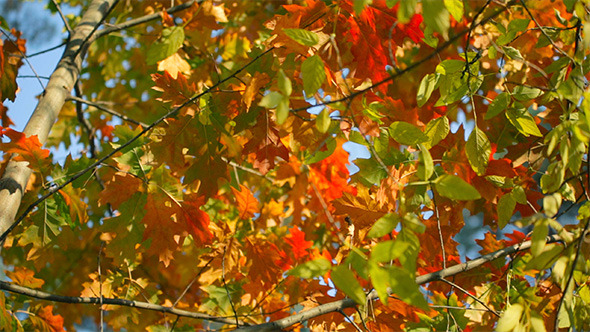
(175, 90)
(45, 320)
(24, 277)
(247, 203)
(197, 220)
(296, 240)
(28, 149)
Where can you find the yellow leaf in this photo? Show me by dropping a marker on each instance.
(175, 64)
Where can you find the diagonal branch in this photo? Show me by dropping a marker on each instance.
(121, 302)
(107, 110)
(143, 19)
(420, 280)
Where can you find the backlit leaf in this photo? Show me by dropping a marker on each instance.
(523, 122)
(478, 149)
(498, 105)
(311, 269)
(453, 187)
(345, 280)
(313, 74)
(406, 133)
(247, 203)
(302, 36)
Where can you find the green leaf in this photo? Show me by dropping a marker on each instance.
(553, 177)
(359, 5)
(512, 53)
(345, 280)
(478, 149)
(406, 133)
(539, 236)
(284, 83)
(313, 74)
(455, 7)
(436, 16)
(427, 86)
(271, 100)
(425, 163)
(168, 44)
(384, 226)
(498, 105)
(312, 157)
(311, 269)
(302, 36)
(450, 66)
(519, 195)
(282, 110)
(510, 318)
(518, 25)
(523, 122)
(505, 209)
(546, 258)
(551, 204)
(436, 130)
(406, 10)
(371, 170)
(453, 187)
(524, 93)
(322, 121)
(387, 251)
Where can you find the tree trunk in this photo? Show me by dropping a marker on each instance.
(62, 81)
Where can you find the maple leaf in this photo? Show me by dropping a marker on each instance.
(296, 240)
(258, 81)
(361, 208)
(264, 257)
(247, 203)
(266, 145)
(47, 321)
(176, 90)
(119, 188)
(24, 277)
(331, 176)
(162, 227)
(197, 220)
(174, 65)
(27, 149)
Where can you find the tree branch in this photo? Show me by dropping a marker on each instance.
(121, 302)
(107, 110)
(144, 19)
(423, 279)
(62, 81)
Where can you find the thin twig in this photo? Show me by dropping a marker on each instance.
(229, 298)
(143, 19)
(108, 110)
(48, 50)
(557, 48)
(466, 292)
(90, 36)
(350, 320)
(192, 282)
(110, 301)
(63, 18)
(25, 58)
(100, 287)
(84, 122)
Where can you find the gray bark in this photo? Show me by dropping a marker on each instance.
(60, 84)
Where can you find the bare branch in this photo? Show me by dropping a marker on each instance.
(121, 302)
(144, 19)
(107, 110)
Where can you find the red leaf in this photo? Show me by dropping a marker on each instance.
(266, 145)
(196, 219)
(296, 240)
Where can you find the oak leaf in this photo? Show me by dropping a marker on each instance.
(247, 203)
(28, 149)
(176, 90)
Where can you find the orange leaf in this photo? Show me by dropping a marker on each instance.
(119, 189)
(51, 322)
(27, 149)
(176, 90)
(247, 203)
(24, 277)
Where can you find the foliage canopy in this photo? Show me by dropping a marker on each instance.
(214, 190)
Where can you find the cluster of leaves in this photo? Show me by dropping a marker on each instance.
(240, 202)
